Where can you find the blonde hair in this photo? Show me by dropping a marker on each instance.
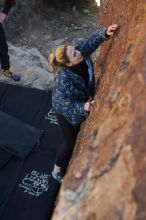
(59, 58)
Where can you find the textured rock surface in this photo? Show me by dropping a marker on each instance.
(106, 179)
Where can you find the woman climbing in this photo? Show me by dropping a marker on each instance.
(73, 90)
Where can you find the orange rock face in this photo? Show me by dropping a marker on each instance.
(106, 179)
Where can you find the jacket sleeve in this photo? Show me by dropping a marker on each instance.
(7, 6)
(89, 45)
(69, 103)
(75, 107)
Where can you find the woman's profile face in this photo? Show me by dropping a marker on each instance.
(74, 55)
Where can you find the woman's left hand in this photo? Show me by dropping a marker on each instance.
(111, 29)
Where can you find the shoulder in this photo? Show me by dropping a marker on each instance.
(64, 79)
(65, 75)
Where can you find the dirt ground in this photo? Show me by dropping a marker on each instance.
(51, 25)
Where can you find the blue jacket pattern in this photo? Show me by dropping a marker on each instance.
(69, 93)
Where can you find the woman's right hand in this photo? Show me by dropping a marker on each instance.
(111, 29)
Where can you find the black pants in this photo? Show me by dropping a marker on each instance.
(4, 57)
(69, 133)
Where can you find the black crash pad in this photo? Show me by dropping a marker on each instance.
(27, 190)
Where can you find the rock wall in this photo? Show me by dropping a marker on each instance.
(106, 179)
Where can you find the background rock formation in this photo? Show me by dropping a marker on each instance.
(106, 179)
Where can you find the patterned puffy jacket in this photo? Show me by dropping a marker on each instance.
(69, 93)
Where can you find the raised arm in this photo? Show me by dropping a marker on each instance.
(89, 45)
